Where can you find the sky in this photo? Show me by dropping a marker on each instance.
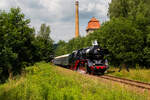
(60, 14)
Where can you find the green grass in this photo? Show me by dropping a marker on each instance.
(138, 74)
(48, 82)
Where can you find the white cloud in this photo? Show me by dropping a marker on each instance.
(90, 7)
(59, 14)
(3, 4)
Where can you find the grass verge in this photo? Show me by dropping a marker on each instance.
(138, 74)
(48, 82)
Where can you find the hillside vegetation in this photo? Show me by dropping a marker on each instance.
(44, 81)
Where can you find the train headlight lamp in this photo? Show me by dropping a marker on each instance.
(98, 49)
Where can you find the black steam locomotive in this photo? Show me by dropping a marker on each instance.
(90, 59)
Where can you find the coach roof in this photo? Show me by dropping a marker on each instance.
(66, 55)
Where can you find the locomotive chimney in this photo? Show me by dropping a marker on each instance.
(77, 19)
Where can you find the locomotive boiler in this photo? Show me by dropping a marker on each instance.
(91, 59)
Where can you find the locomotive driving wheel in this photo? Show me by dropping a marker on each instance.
(87, 69)
(80, 68)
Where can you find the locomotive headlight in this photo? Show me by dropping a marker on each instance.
(98, 49)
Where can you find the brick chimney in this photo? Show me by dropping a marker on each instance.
(77, 19)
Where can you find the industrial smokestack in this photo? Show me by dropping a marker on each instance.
(77, 19)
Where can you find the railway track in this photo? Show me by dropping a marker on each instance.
(138, 84)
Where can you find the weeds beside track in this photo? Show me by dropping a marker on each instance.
(48, 82)
(134, 83)
(127, 81)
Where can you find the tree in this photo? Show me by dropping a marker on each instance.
(44, 44)
(119, 8)
(123, 41)
(61, 48)
(128, 8)
(7, 58)
(146, 52)
(44, 32)
(15, 42)
(138, 12)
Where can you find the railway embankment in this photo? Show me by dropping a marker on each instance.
(44, 81)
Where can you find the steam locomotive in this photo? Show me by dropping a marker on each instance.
(90, 59)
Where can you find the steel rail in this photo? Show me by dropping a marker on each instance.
(127, 81)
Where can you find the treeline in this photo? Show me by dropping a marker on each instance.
(19, 45)
(126, 35)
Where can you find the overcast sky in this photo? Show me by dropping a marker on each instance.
(60, 14)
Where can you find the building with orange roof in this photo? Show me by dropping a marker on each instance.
(93, 24)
